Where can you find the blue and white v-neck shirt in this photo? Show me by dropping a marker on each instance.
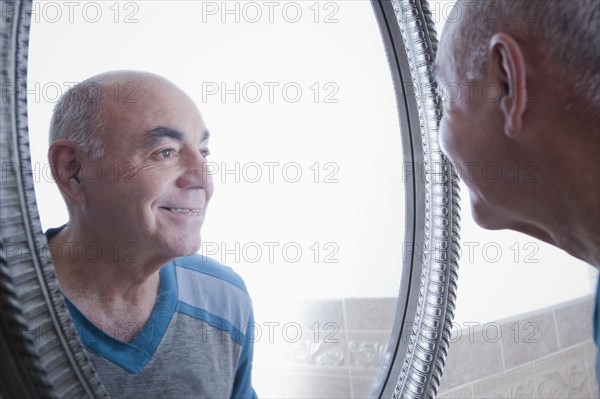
(198, 342)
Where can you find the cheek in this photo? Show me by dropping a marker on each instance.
(447, 139)
(137, 196)
(456, 145)
(209, 187)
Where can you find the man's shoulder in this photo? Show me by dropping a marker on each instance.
(210, 291)
(204, 265)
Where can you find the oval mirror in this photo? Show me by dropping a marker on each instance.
(332, 200)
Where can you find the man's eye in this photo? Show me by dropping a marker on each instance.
(166, 153)
(205, 153)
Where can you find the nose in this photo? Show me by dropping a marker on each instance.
(195, 174)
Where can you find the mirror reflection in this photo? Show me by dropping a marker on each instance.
(523, 322)
(305, 157)
(493, 260)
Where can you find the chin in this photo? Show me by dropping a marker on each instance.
(190, 249)
(185, 247)
(487, 217)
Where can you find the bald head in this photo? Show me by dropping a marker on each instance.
(81, 113)
(563, 34)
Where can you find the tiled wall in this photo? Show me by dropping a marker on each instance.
(342, 360)
(546, 354)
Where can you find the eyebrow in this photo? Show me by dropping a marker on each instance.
(156, 135)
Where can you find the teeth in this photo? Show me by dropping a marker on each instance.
(185, 211)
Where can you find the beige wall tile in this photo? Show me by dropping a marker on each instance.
(530, 352)
(362, 387)
(332, 356)
(318, 350)
(366, 349)
(591, 353)
(316, 386)
(516, 383)
(318, 313)
(563, 375)
(370, 313)
(470, 357)
(463, 392)
(574, 321)
(528, 338)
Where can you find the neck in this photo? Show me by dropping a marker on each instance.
(561, 138)
(107, 280)
(581, 241)
(563, 210)
(578, 232)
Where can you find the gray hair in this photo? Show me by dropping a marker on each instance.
(77, 117)
(566, 32)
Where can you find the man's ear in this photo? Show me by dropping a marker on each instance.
(65, 163)
(508, 69)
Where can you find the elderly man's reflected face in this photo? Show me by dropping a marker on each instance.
(154, 187)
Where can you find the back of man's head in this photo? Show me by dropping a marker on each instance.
(564, 32)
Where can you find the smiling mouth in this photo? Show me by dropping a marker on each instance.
(184, 211)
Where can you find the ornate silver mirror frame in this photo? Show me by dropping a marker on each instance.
(42, 356)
